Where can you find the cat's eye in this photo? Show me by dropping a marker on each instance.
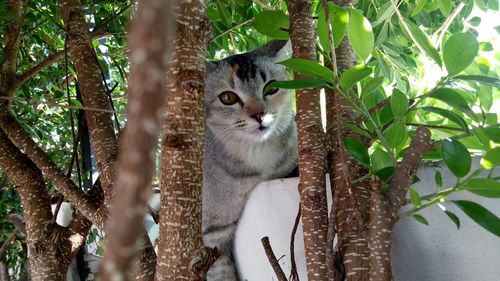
(270, 91)
(228, 98)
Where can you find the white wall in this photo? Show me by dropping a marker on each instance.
(438, 252)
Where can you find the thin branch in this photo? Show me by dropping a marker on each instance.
(231, 30)
(294, 276)
(272, 259)
(48, 61)
(8, 241)
(52, 104)
(330, 38)
(436, 127)
(263, 5)
(405, 26)
(372, 110)
(442, 30)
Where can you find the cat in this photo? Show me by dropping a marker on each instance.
(250, 138)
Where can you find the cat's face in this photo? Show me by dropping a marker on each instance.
(236, 105)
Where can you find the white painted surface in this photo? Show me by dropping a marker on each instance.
(438, 252)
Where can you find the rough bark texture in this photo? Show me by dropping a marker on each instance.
(93, 92)
(311, 139)
(384, 209)
(49, 244)
(51, 247)
(149, 41)
(180, 243)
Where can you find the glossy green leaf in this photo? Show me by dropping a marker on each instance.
(357, 150)
(420, 219)
(452, 116)
(453, 99)
(415, 197)
(483, 186)
(493, 133)
(395, 135)
(356, 129)
(338, 20)
(456, 157)
(386, 173)
(480, 215)
(297, 84)
(438, 178)
(380, 159)
(399, 103)
(485, 80)
(423, 42)
(491, 158)
(453, 218)
(360, 34)
(444, 6)
(274, 24)
(224, 13)
(372, 83)
(353, 75)
(309, 68)
(459, 52)
(419, 7)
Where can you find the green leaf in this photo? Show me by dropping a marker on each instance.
(480, 215)
(452, 116)
(459, 52)
(453, 218)
(224, 13)
(418, 8)
(357, 150)
(456, 157)
(453, 99)
(372, 83)
(356, 129)
(423, 42)
(483, 187)
(353, 75)
(380, 159)
(399, 103)
(493, 133)
(309, 68)
(395, 135)
(360, 34)
(438, 178)
(491, 158)
(338, 20)
(297, 84)
(420, 219)
(274, 24)
(445, 7)
(415, 198)
(386, 173)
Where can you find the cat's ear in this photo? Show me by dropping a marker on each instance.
(278, 49)
(210, 66)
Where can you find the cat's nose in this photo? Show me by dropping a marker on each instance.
(258, 116)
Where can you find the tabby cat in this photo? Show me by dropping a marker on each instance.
(250, 138)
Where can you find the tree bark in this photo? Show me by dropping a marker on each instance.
(311, 140)
(149, 37)
(102, 134)
(180, 248)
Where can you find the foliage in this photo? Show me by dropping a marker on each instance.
(425, 62)
(10, 203)
(429, 59)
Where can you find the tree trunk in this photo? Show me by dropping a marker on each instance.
(311, 140)
(91, 84)
(149, 40)
(180, 240)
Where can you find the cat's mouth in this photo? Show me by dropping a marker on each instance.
(262, 128)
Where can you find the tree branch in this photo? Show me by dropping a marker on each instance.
(149, 56)
(272, 259)
(11, 49)
(75, 195)
(8, 241)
